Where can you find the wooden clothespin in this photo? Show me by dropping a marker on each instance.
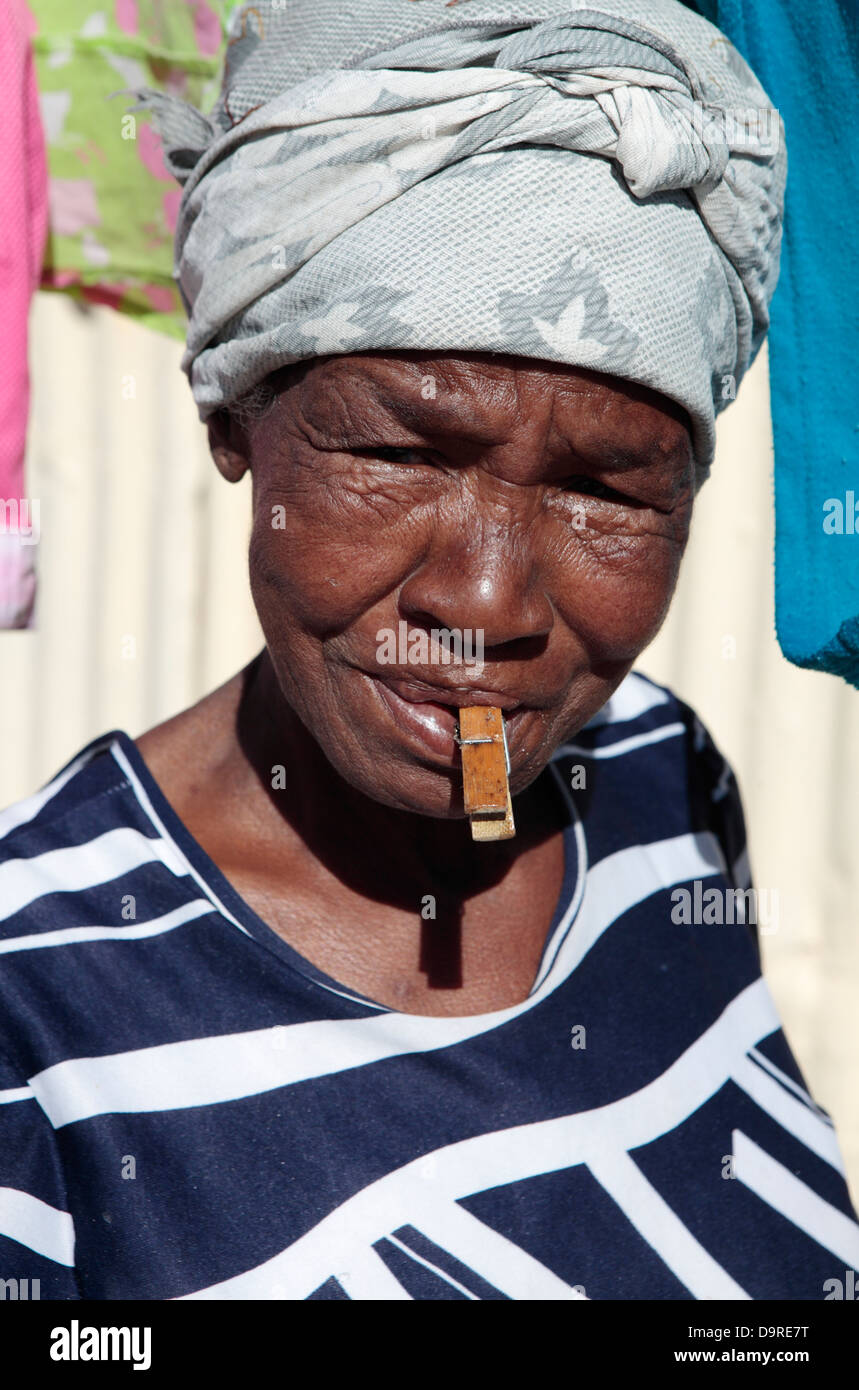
(485, 772)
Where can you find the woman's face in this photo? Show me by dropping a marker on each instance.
(541, 508)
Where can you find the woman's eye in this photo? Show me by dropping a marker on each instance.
(390, 454)
(592, 487)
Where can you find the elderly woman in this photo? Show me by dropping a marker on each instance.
(466, 288)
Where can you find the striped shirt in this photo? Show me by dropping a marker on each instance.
(190, 1109)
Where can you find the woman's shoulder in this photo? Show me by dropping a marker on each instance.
(640, 713)
(70, 800)
(647, 766)
(85, 827)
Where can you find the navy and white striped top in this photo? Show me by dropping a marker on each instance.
(188, 1108)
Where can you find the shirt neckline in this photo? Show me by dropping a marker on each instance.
(230, 905)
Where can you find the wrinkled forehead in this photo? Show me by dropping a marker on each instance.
(484, 399)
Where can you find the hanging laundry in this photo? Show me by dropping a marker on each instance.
(23, 198)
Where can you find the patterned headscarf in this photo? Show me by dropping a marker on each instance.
(600, 186)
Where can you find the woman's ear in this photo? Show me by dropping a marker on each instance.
(228, 446)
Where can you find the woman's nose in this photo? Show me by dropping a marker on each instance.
(492, 586)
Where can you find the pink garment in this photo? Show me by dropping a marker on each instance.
(23, 226)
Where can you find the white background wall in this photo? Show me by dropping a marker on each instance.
(144, 606)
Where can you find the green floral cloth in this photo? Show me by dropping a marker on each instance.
(112, 202)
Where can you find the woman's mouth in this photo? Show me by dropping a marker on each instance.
(429, 714)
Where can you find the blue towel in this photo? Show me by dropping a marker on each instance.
(807, 58)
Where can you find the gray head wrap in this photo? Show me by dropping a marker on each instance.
(598, 185)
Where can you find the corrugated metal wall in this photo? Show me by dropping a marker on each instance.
(144, 606)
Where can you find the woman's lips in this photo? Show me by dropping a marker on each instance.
(430, 722)
(420, 692)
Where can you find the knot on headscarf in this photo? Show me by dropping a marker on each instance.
(654, 113)
(285, 207)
